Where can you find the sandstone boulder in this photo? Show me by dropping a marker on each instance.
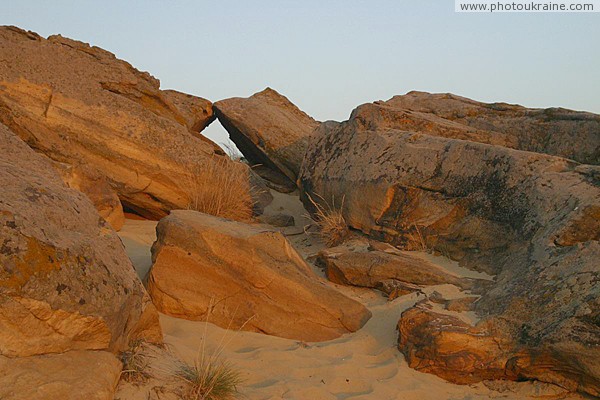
(379, 269)
(74, 375)
(529, 218)
(198, 112)
(95, 186)
(80, 105)
(247, 277)
(268, 129)
(65, 280)
(554, 131)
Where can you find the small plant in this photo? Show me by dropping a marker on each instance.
(209, 379)
(332, 225)
(220, 187)
(135, 363)
(415, 240)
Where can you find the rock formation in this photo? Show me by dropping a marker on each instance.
(360, 266)
(554, 131)
(65, 281)
(269, 130)
(532, 219)
(244, 277)
(81, 105)
(95, 186)
(74, 375)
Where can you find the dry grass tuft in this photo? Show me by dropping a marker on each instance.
(220, 187)
(332, 225)
(210, 379)
(135, 363)
(416, 241)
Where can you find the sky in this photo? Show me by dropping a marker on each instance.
(328, 57)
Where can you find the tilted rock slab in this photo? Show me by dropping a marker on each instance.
(375, 268)
(74, 375)
(555, 131)
(531, 219)
(240, 276)
(81, 105)
(65, 280)
(268, 129)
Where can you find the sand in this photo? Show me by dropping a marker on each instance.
(362, 365)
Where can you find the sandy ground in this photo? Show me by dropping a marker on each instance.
(362, 365)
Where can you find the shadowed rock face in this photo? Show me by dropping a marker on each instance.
(240, 276)
(81, 105)
(529, 218)
(268, 129)
(65, 280)
(554, 131)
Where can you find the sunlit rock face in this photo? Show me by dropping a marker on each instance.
(530, 218)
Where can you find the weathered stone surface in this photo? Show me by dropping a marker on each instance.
(281, 220)
(95, 186)
(554, 131)
(461, 353)
(65, 280)
(198, 112)
(243, 276)
(526, 217)
(74, 375)
(268, 129)
(376, 268)
(81, 105)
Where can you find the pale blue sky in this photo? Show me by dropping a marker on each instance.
(330, 56)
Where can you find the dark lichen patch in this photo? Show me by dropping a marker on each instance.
(61, 287)
(38, 258)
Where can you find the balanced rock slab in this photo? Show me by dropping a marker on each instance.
(74, 375)
(246, 277)
(268, 129)
(65, 280)
(80, 105)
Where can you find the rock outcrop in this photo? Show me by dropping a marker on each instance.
(65, 280)
(95, 186)
(531, 219)
(74, 375)
(269, 130)
(554, 131)
(81, 105)
(360, 266)
(246, 277)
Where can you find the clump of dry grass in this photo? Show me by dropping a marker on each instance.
(415, 240)
(220, 187)
(332, 225)
(209, 379)
(135, 363)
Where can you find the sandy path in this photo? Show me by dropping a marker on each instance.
(362, 365)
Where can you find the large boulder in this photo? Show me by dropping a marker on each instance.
(246, 277)
(74, 375)
(65, 280)
(95, 186)
(531, 219)
(555, 131)
(268, 129)
(81, 105)
(361, 266)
